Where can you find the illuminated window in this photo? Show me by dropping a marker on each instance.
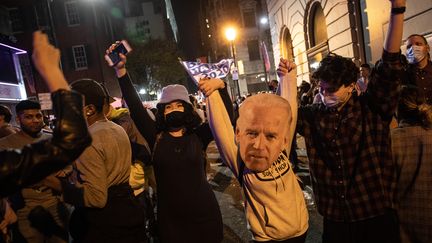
(318, 26)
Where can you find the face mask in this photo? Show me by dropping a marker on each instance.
(330, 100)
(175, 119)
(334, 100)
(415, 54)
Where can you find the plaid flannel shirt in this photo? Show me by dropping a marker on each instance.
(349, 150)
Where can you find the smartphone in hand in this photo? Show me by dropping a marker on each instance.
(113, 58)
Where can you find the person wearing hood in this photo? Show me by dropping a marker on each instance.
(187, 209)
(257, 152)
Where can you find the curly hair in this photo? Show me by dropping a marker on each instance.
(193, 120)
(336, 71)
(413, 109)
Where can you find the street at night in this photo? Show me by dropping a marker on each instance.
(107, 107)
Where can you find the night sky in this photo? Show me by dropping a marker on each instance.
(186, 15)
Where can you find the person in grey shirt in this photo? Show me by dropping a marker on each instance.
(105, 208)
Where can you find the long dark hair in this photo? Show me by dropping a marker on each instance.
(413, 109)
(193, 120)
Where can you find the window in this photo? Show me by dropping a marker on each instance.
(16, 20)
(249, 20)
(318, 26)
(80, 58)
(72, 13)
(253, 49)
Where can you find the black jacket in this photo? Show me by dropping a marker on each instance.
(20, 168)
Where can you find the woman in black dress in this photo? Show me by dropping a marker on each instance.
(187, 209)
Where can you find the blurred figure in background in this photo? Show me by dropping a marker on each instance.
(363, 81)
(5, 118)
(412, 153)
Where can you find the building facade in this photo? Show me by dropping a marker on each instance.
(249, 18)
(82, 30)
(307, 30)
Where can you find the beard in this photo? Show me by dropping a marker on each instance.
(32, 132)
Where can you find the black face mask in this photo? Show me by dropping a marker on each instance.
(175, 119)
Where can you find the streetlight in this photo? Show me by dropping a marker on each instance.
(230, 34)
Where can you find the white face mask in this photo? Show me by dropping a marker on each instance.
(416, 54)
(330, 100)
(333, 100)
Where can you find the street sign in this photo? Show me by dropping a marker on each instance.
(234, 73)
(45, 101)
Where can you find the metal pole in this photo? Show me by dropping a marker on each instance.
(236, 81)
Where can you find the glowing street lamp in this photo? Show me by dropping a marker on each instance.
(230, 33)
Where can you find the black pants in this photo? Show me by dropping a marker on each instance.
(298, 239)
(380, 229)
(121, 220)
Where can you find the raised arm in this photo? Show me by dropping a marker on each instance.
(35, 162)
(145, 124)
(210, 86)
(220, 123)
(383, 88)
(287, 72)
(395, 28)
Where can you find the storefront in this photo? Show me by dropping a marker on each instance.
(12, 87)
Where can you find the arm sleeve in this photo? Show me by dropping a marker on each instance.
(288, 91)
(223, 132)
(204, 132)
(92, 191)
(146, 126)
(20, 168)
(382, 92)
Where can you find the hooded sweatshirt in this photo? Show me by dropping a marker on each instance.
(274, 204)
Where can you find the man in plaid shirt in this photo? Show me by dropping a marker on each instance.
(348, 144)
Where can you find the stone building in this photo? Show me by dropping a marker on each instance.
(307, 30)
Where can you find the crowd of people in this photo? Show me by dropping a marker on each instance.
(133, 175)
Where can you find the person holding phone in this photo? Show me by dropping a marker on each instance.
(187, 209)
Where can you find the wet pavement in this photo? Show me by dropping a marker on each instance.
(228, 193)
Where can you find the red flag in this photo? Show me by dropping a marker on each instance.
(265, 56)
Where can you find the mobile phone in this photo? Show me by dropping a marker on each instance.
(113, 58)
